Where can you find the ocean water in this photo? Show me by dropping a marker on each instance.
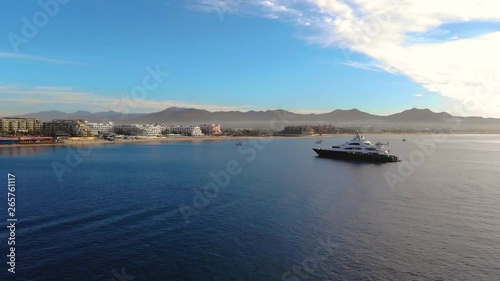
(273, 212)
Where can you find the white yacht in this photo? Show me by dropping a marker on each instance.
(358, 149)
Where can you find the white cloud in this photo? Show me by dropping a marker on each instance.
(418, 95)
(397, 35)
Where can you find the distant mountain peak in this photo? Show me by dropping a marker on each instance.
(174, 108)
(419, 110)
(83, 112)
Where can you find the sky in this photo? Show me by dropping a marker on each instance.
(309, 56)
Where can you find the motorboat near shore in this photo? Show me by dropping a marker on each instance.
(358, 149)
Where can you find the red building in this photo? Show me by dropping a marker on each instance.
(211, 129)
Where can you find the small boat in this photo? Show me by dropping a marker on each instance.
(239, 143)
(404, 139)
(358, 149)
(319, 141)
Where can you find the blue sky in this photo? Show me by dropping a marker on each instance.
(239, 55)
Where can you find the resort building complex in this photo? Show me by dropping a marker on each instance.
(14, 125)
(101, 128)
(64, 128)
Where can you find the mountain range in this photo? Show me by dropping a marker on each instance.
(262, 119)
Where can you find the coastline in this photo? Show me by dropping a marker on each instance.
(194, 139)
(152, 140)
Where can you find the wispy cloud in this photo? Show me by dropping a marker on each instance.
(36, 58)
(63, 97)
(418, 95)
(274, 9)
(216, 6)
(366, 66)
(372, 66)
(401, 37)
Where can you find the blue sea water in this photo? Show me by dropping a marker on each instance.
(154, 212)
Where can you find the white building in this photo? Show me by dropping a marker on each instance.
(193, 131)
(148, 130)
(153, 130)
(100, 128)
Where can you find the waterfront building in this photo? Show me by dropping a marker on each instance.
(101, 128)
(145, 130)
(193, 131)
(154, 130)
(130, 130)
(211, 129)
(15, 125)
(73, 128)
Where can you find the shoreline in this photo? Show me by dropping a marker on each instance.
(149, 140)
(197, 139)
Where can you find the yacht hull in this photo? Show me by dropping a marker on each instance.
(324, 153)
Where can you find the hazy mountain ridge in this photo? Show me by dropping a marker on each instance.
(262, 119)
